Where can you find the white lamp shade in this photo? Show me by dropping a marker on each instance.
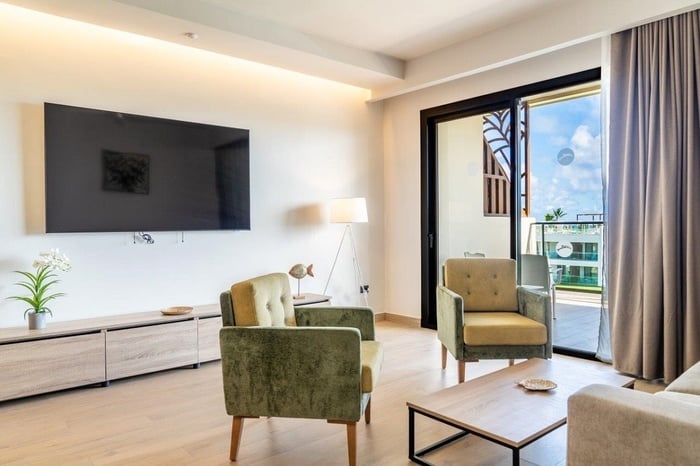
(349, 210)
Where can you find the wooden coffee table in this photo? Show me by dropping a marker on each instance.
(496, 408)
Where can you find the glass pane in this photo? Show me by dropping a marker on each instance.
(474, 187)
(564, 199)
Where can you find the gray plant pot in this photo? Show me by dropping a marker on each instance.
(37, 321)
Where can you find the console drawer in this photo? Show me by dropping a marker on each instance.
(40, 366)
(152, 348)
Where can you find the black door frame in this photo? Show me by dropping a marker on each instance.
(429, 119)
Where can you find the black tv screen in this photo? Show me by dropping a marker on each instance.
(110, 171)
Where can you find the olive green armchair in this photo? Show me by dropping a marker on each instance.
(483, 314)
(304, 362)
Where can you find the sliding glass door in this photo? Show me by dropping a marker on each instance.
(564, 220)
(502, 175)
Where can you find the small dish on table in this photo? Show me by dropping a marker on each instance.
(536, 384)
(176, 310)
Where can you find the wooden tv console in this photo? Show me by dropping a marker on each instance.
(97, 350)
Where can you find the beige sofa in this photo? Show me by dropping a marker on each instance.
(618, 426)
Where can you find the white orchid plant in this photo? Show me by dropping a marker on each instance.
(39, 282)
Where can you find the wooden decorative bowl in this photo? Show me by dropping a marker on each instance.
(176, 310)
(537, 384)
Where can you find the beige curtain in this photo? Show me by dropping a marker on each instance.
(654, 197)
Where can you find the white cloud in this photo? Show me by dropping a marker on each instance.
(585, 145)
(558, 141)
(582, 137)
(545, 124)
(584, 174)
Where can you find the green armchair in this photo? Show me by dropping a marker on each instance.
(483, 314)
(305, 362)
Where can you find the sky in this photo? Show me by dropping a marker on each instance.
(576, 188)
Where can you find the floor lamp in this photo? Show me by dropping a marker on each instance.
(349, 211)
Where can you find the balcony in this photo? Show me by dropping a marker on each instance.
(574, 247)
(577, 249)
(578, 320)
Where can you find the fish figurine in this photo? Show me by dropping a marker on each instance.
(298, 271)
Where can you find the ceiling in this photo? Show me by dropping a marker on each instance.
(361, 42)
(388, 46)
(403, 29)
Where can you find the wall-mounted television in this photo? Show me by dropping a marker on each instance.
(110, 171)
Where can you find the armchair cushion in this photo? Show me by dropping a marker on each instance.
(483, 289)
(502, 328)
(263, 301)
(371, 357)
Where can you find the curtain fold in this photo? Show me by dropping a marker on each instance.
(654, 197)
(604, 351)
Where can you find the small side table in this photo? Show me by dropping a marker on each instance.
(311, 298)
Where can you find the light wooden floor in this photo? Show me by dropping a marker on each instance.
(177, 417)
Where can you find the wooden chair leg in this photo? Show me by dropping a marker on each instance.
(352, 440)
(236, 432)
(511, 362)
(460, 370)
(368, 411)
(352, 443)
(444, 356)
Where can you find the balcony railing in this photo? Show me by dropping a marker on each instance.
(569, 279)
(588, 228)
(577, 256)
(559, 241)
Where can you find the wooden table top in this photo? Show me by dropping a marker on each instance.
(310, 298)
(495, 406)
(95, 324)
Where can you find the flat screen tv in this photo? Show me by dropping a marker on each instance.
(110, 171)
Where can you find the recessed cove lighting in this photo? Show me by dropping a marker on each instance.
(191, 35)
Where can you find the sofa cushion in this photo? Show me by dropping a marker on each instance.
(263, 301)
(483, 284)
(688, 382)
(502, 329)
(371, 357)
(678, 396)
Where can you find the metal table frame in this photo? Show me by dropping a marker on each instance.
(415, 456)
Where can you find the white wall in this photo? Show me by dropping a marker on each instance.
(311, 140)
(462, 224)
(402, 159)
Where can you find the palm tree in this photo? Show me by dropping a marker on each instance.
(555, 215)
